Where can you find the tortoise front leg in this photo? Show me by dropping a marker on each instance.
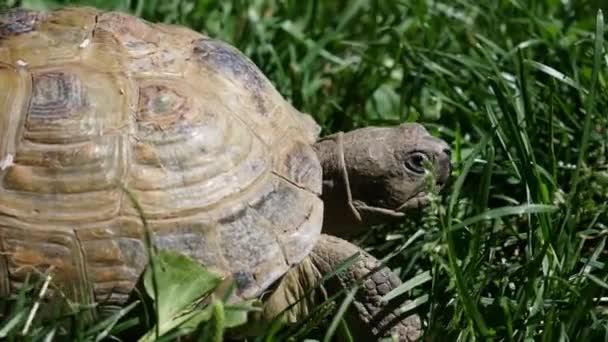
(369, 318)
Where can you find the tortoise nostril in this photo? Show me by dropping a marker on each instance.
(447, 151)
(445, 167)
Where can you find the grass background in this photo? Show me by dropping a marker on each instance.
(515, 249)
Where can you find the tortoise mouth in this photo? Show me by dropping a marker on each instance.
(374, 214)
(415, 202)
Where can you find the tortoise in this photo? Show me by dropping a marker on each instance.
(226, 170)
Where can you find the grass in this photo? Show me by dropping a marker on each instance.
(515, 249)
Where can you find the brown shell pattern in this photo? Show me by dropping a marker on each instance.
(220, 163)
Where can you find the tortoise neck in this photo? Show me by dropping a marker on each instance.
(339, 219)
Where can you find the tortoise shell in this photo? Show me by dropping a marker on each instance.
(94, 102)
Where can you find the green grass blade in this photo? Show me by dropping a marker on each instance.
(556, 75)
(492, 214)
(411, 306)
(408, 285)
(598, 52)
(350, 296)
(12, 324)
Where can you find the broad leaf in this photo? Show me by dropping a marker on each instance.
(180, 283)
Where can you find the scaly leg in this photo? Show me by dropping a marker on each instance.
(369, 318)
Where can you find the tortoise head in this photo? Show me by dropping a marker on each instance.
(385, 172)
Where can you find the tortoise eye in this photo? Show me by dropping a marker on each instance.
(415, 162)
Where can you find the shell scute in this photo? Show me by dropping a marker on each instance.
(18, 21)
(221, 57)
(56, 96)
(44, 252)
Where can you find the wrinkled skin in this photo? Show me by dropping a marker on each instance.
(370, 176)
